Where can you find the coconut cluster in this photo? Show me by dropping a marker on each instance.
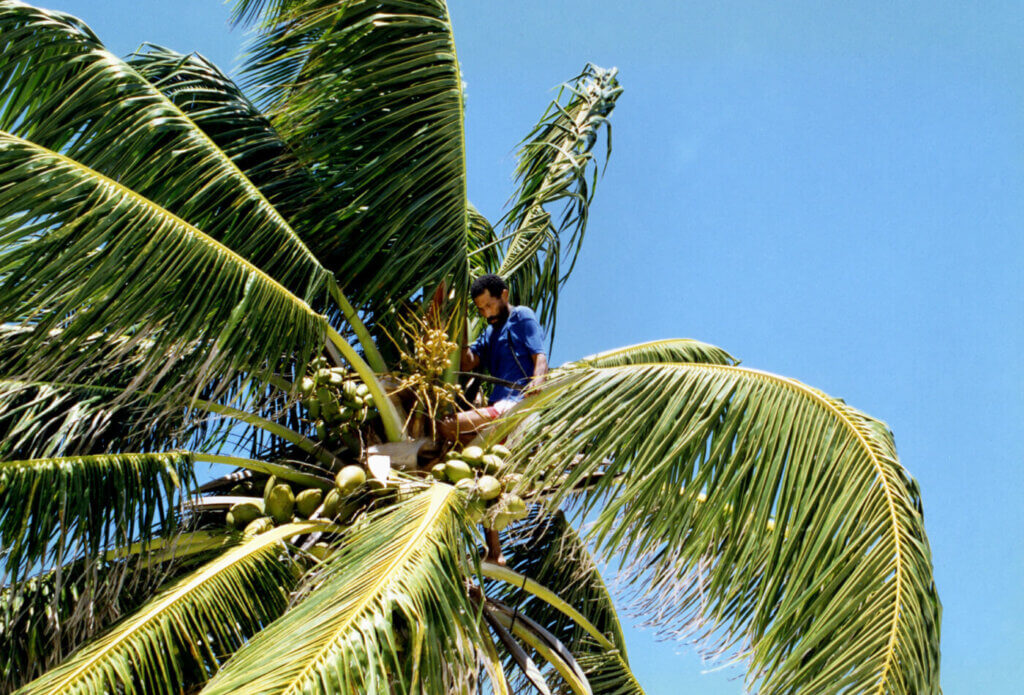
(337, 404)
(282, 505)
(484, 477)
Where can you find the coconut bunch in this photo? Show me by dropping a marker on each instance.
(281, 504)
(485, 477)
(337, 403)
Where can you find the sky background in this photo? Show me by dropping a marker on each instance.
(829, 191)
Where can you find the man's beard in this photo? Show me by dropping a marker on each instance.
(500, 318)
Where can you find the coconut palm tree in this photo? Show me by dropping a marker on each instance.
(275, 284)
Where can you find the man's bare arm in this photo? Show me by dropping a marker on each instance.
(470, 360)
(540, 369)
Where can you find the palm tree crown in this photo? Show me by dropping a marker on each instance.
(275, 279)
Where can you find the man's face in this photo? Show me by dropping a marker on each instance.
(494, 309)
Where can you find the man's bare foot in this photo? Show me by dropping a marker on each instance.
(494, 548)
(499, 560)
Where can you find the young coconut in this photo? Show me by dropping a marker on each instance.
(493, 464)
(488, 487)
(349, 478)
(244, 512)
(258, 526)
(331, 502)
(457, 470)
(320, 551)
(307, 501)
(281, 504)
(500, 450)
(473, 455)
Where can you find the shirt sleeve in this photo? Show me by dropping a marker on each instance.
(529, 332)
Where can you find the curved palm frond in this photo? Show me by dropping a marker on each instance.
(557, 167)
(65, 92)
(47, 617)
(212, 101)
(82, 254)
(369, 96)
(549, 551)
(390, 612)
(752, 502)
(180, 636)
(484, 245)
(659, 351)
(54, 509)
(218, 107)
(42, 420)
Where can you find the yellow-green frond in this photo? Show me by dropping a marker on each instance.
(390, 612)
(777, 516)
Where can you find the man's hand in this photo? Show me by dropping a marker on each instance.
(540, 370)
(469, 361)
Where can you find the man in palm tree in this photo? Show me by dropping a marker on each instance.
(511, 349)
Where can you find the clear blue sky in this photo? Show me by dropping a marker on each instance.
(832, 193)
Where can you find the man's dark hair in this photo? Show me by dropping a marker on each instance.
(490, 282)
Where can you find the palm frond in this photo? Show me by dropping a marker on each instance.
(544, 643)
(549, 551)
(389, 613)
(42, 420)
(556, 175)
(657, 351)
(54, 509)
(752, 503)
(484, 245)
(82, 254)
(216, 105)
(64, 91)
(48, 616)
(179, 638)
(369, 96)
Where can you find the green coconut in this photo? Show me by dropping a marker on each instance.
(466, 484)
(438, 471)
(500, 520)
(475, 511)
(488, 487)
(493, 464)
(313, 408)
(244, 512)
(515, 506)
(473, 455)
(457, 470)
(331, 502)
(349, 478)
(229, 519)
(281, 504)
(320, 551)
(306, 386)
(271, 482)
(500, 450)
(258, 526)
(307, 501)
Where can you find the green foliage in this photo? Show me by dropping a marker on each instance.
(754, 506)
(171, 259)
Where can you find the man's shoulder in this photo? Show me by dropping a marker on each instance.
(523, 313)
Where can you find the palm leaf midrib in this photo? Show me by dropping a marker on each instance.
(880, 478)
(440, 497)
(159, 211)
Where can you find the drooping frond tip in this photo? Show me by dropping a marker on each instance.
(556, 176)
(771, 517)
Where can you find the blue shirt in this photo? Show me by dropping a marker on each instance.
(507, 351)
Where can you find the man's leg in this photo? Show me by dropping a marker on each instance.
(467, 424)
(493, 548)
